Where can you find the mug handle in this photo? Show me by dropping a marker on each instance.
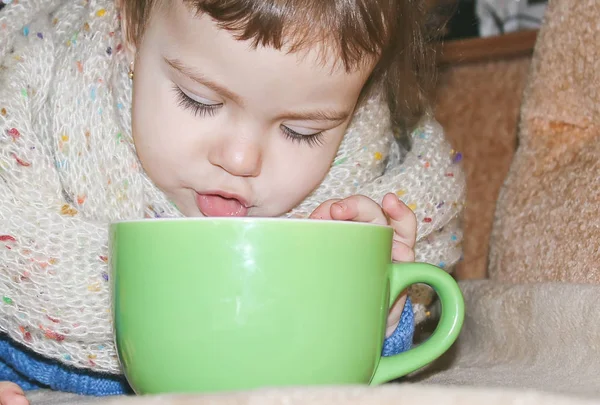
(453, 313)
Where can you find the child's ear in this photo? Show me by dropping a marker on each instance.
(127, 37)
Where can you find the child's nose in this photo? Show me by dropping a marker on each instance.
(238, 157)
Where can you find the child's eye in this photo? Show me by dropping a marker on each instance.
(311, 139)
(202, 109)
(196, 107)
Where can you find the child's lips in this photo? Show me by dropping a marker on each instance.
(219, 204)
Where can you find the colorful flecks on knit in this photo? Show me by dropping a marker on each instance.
(26, 334)
(152, 212)
(47, 331)
(109, 49)
(63, 143)
(7, 238)
(422, 134)
(61, 164)
(72, 40)
(456, 156)
(68, 210)
(13, 133)
(94, 287)
(340, 161)
(20, 162)
(25, 32)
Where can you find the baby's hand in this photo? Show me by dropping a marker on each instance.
(392, 212)
(12, 394)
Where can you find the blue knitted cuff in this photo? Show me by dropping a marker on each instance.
(402, 338)
(31, 371)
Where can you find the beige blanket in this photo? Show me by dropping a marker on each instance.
(389, 395)
(540, 343)
(536, 336)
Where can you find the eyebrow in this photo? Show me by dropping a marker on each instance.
(315, 115)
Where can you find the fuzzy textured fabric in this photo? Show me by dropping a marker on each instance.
(68, 167)
(32, 371)
(547, 226)
(524, 336)
(388, 395)
(520, 343)
(478, 106)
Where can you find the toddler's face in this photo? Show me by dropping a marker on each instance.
(224, 129)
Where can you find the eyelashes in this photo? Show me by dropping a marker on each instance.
(199, 109)
(311, 140)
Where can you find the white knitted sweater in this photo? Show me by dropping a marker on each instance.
(68, 167)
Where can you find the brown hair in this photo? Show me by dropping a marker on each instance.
(359, 30)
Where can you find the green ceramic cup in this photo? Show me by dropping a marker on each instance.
(225, 304)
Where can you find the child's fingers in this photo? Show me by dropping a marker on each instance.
(402, 219)
(360, 209)
(402, 252)
(395, 315)
(323, 211)
(12, 394)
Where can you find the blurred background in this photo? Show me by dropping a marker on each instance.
(485, 49)
(472, 18)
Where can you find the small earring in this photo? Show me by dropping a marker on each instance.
(130, 72)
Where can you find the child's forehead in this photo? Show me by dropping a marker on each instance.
(199, 41)
(353, 35)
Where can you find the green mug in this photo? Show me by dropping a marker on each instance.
(225, 304)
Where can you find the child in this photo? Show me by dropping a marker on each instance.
(167, 108)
